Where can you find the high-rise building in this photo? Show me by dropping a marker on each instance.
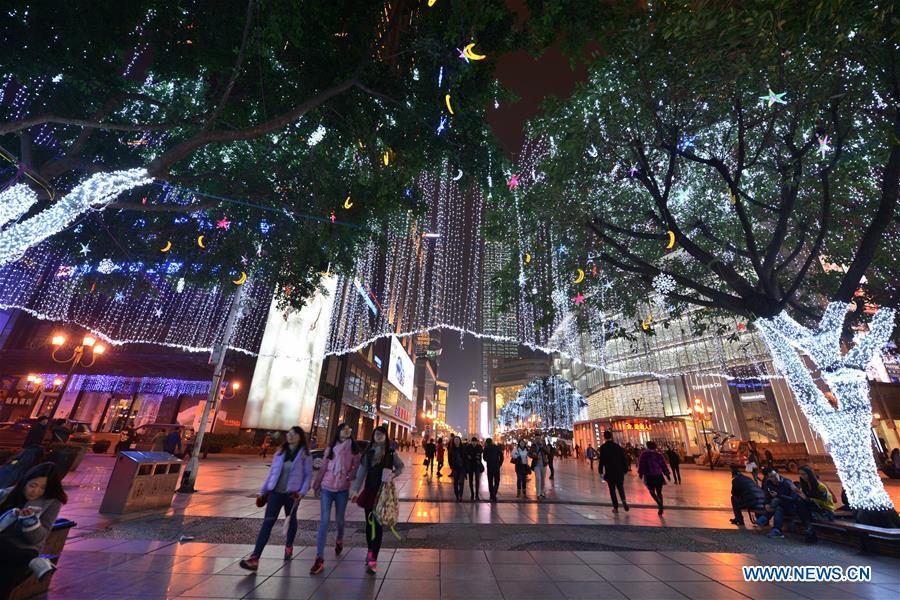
(442, 392)
(474, 411)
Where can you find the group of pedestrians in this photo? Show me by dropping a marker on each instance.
(346, 474)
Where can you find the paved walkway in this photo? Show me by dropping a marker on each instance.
(228, 484)
(104, 568)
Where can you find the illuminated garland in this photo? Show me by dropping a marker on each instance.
(15, 202)
(845, 428)
(92, 194)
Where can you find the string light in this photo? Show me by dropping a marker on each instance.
(15, 202)
(92, 194)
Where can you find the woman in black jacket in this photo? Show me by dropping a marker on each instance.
(457, 462)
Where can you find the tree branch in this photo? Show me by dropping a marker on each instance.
(13, 126)
(235, 72)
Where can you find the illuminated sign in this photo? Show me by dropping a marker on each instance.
(400, 369)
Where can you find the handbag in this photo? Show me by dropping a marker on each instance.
(425, 462)
(480, 468)
(262, 500)
(367, 498)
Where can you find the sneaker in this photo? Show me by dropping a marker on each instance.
(625, 506)
(288, 552)
(318, 566)
(775, 534)
(738, 522)
(251, 563)
(371, 567)
(338, 547)
(41, 567)
(762, 520)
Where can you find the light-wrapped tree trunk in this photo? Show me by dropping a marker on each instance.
(845, 424)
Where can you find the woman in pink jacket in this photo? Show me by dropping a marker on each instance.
(332, 484)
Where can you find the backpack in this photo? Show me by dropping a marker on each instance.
(387, 510)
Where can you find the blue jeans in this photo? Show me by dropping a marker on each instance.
(276, 502)
(326, 499)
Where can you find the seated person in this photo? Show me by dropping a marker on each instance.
(816, 495)
(27, 513)
(783, 500)
(745, 494)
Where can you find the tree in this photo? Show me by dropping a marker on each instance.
(554, 400)
(286, 134)
(749, 156)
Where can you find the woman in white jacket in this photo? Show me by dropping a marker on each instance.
(519, 457)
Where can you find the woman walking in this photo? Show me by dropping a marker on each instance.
(288, 481)
(651, 468)
(28, 511)
(539, 462)
(474, 467)
(379, 464)
(519, 457)
(332, 485)
(457, 460)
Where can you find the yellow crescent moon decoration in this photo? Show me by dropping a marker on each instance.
(167, 247)
(240, 280)
(580, 277)
(200, 242)
(645, 324)
(471, 54)
(527, 259)
(431, 3)
(347, 204)
(671, 243)
(387, 157)
(447, 102)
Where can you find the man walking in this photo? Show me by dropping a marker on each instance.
(439, 452)
(493, 457)
(429, 456)
(674, 464)
(612, 466)
(590, 454)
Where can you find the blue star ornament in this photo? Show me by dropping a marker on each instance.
(772, 98)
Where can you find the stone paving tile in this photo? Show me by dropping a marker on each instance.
(357, 570)
(647, 558)
(228, 550)
(817, 591)
(470, 571)
(530, 590)
(278, 588)
(467, 589)
(396, 589)
(616, 573)
(705, 590)
(570, 572)
(602, 557)
(577, 590)
(502, 557)
(417, 555)
(867, 590)
(647, 590)
(556, 557)
(463, 556)
(344, 589)
(209, 565)
(299, 567)
(693, 558)
(676, 572)
(223, 586)
(518, 572)
(760, 590)
(267, 566)
(413, 570)
(720, 572)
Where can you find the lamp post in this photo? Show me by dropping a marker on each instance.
(88, 346)
(704, 412)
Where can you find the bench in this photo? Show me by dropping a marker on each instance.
(31, 587)
(881, 540)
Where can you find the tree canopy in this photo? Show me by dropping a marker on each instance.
(286, 133)
(739, 157)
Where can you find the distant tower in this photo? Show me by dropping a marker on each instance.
(474, 411)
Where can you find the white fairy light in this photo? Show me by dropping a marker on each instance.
(845, 428)
(15, 202)
(316, 136)
(92, 194)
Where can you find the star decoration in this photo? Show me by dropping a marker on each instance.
(259, 250)
(462, 54)
(513, 181)
(224, 223)
(85, 249)
(772, 98)
(578, 299)
(119, 297)
(244, 260)
(157, 312)
(632, 171)
(442, 125)
(824, 146)
(608, 285)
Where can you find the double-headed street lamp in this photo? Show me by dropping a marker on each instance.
(704, 412)
(88, 346)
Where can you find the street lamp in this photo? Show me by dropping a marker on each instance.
(88, 345)
(704, 412)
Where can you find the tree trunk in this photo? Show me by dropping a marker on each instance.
(846, 426)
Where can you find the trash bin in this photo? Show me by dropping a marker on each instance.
(141, 481)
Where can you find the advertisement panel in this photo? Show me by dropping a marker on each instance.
(401, 369)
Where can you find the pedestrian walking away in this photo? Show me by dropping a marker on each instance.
(439, 454)
(550, 452)
(674, 464)
(538, 456)
(332, 484)
(612, 463)
(288, 481)
(493, 458)
(519, 457)
(651, 468)
(266, 444)
(457, 461)
(430, 450)
(379, 464)
(27, 512)
(474, 467)
(590, 454)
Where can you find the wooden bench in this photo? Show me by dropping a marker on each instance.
(881, 540)
(31, 587)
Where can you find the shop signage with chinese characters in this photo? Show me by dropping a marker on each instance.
(632, 425)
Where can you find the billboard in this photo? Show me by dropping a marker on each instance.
(400, 369)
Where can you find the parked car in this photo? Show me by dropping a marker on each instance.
(145, 434)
